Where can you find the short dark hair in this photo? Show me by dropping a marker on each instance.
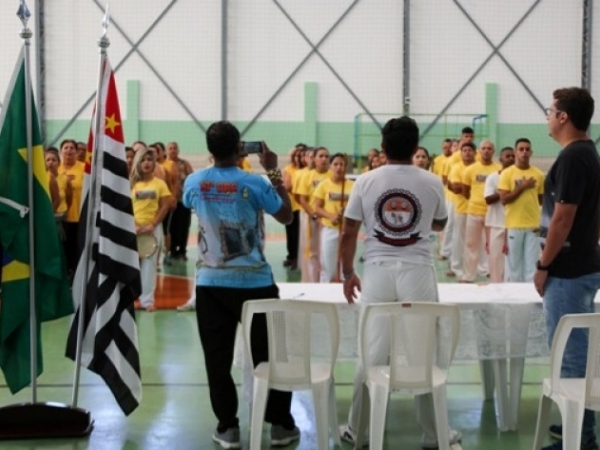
(68, 141)
(400, 137)
(506, 149)
(577, 103)
(338, 155)
(470, 145)
(467, 130)
(522, 140)
(448, 140)
(222, 139)
(158, 146)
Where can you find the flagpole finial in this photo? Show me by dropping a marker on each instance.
(24, 14)
(104, 42)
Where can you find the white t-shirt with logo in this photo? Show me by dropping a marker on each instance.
(494, 216)
(397, 204)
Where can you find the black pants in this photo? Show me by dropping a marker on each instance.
(180, 229)
(218, 311)
(292, 235)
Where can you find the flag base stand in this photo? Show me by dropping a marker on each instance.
(44, 420)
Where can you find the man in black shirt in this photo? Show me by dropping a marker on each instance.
(568, 271)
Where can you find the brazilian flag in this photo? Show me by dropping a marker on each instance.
(52, 295)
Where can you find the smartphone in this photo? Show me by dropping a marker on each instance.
(251, 147)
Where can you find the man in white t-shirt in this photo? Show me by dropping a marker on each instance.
(400, 205)
(494, 220)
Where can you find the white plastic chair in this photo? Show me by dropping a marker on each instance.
(423, 340)
(571, 395)
(291, 366)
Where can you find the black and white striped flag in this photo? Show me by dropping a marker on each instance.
(110, 343)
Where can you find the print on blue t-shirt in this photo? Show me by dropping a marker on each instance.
(229, 203)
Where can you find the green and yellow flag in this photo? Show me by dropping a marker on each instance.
(53, 298)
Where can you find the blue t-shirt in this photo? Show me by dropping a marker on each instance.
(229, 204)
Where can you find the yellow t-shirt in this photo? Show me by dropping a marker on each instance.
(438, 165)
(456, 176)
(331, 194)
(145, 196)
(525, 211)
(75, 175)
(291, 170)
(446, 168)
(474, 176)
(169, 165)
(61, 181)
(309, 182)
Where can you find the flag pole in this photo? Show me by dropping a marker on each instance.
(25, 33)
(51, 419)
(103, 44)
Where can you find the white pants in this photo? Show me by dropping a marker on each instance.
(394, 281)
(496, 256)
(475, 243)
(148, 272)
(446, 246)
(314, 263)
(330, 238)
(523, 252)
(458, 244)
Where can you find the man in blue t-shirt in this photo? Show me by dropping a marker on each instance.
(232, 269)
(568, 271)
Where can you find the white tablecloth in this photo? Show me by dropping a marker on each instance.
(500, 320)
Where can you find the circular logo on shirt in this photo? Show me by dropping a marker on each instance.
(397, 212)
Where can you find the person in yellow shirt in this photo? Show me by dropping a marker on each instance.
(297, 180)
(521, 188)
(371, 154)
(331, 197)
(455, 183)
(292, 230)
(446, 241)
(168, 171)
(437, 165)
(73, 169)
(150, 198)
(473, 189)
(62, 195)
(305, 190)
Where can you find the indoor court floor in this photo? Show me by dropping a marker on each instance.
(175, 411)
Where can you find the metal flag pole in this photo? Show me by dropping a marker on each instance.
(24, 14)
(51, 419)
(103, 44)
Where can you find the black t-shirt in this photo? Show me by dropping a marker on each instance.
(574, 178)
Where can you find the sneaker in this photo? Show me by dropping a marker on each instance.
(453, 438)
(281, 437)
(167, 260)
(230, 438)
(555, 431)
(186, 307)
(347, 434)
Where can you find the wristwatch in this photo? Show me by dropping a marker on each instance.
(538, 266)
(314, 216)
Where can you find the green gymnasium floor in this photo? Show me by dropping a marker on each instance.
(175, 411)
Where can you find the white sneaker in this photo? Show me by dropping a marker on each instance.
(186, 307)
(428, 442)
